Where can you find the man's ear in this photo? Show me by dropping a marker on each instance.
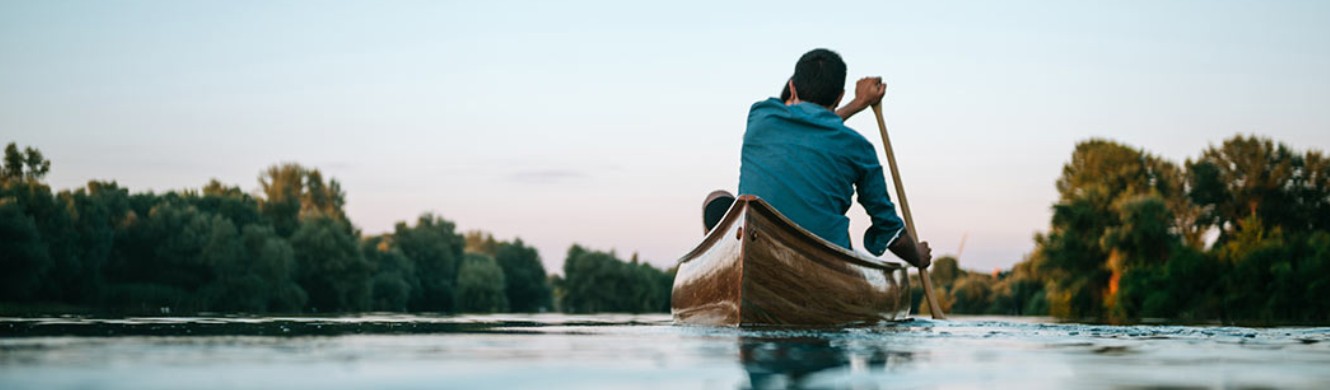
(838, 98)
(794, 94)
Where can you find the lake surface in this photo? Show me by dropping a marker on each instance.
(619, 351)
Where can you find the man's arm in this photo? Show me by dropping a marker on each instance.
(888, 231)
(915, 253)
(867, 92)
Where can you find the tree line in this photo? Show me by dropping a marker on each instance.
(288, 248)
(1240, 233)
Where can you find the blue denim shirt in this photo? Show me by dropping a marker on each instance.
(804, 161)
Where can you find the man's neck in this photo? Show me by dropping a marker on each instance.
(794, 101)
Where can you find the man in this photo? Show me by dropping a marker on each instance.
(799, 156)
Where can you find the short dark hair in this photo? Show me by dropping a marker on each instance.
(819, 77)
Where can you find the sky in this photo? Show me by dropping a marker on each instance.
(606, 123)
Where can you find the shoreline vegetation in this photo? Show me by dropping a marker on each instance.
(1239, 234)
(289, 249)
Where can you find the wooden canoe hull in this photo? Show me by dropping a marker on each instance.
(758, 268)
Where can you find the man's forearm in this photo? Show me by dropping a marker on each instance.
(849, 109)
(906, 248)
(867, 91)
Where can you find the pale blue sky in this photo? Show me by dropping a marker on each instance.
(605, 123)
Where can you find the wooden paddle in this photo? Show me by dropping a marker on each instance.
(933, 307)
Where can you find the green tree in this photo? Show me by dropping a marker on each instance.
(224, 254)
(1143, 235)
(230, 203)
(23, 256)
(254, 271)
(481, 242)
(332, 269)
(600, 282)
(292, 191)
(946, 270)
(435, 250)
(272, 262)
(1106, 168)
(96, 210)
(158, 260)
(525, 279)
(591, 282)
(1019, 292)
(37, 165)
(648, 288)
(1314, 277)
(1138, 247)
(283, 185)
(13, 167)
(21, 184)
(394, 274)
(972, 294)
(1265, 201)
(1081, 254)
(1256, 256)
(1252, 176)
(180, 258)
(1312, 188)
(26, 165)
(323, 198)
(1194, 287)
(1071, 260)
(480, 285)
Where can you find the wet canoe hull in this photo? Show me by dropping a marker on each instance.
(757, 268)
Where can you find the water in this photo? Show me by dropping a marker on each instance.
(617, 351)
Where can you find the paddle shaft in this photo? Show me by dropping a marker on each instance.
(933, 307)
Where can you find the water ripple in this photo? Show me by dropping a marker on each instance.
(571, 351)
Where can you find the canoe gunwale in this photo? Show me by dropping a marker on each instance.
(756, 204)
(731, 217)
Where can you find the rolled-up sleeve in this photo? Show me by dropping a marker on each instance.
(872, 190)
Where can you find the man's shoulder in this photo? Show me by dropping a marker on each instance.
(853, 143)
(766, 105)
(854, 136)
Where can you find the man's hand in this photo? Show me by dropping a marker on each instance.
(867, 92)
(925, 255)
(917, 253)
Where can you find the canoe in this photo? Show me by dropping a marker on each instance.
(757, 268)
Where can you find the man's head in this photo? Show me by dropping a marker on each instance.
(819, 77)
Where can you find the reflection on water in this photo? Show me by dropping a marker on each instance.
(616, 351)
(777, 363)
